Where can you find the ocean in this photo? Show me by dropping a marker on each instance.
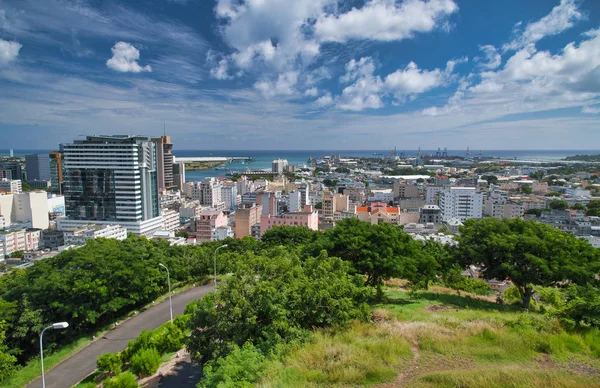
(262, 159)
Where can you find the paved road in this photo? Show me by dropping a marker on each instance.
(80, 365)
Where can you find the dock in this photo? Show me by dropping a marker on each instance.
(222, 159)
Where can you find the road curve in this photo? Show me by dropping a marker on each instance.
(80, 365)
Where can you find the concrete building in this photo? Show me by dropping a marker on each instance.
(498, 206)
(189, 210)
(170, 220)
(431, 214)
(461, 203)
(432, 194)
(294, 199)
(12, 170)
(244, 185)
(308, 218)
(411, 204)
(229, 195)
(37, 167)
(386, 196)
(13, 186)
(30, 208)
(246, 217)
(403, 190)
(540, 188)
(206, 224)
(268, 200)
(164, 163)
(221, 233)
(56, 174)
(80, 235)
(52, 239)
(18, 240)
(208, 192)
(178, 175)
(335, 203)
(111, 180)
(279, 166)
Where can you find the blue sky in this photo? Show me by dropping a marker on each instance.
(303, 74)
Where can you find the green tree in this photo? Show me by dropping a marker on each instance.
(145, 362)
(8, 362)
(319, 205)
(109, 362)
(491, 179)
(124, 380)
(289, 235)
(535, 212)
(182, 233)
(593, 204)
(243, 367)
(558, 205)
(594, 212)
(379, 252)
(578, 206)
(526, 189)
(526, 252)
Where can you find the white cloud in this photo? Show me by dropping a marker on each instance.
(561, 18)
(125, 58)
(9, 51)
(591, 110)
(312, 92)
(220, 71)
(358, 69)
(384, 20)
(324, 100)
(413, 80)
(492, 58)
(284, 86)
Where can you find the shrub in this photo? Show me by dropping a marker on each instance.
(143, 341)
(124, 380)
(168, 338)
(109, 362)
(241, 368)
(145, 362)
(474, 286)
(511, 295)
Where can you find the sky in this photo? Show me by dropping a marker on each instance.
(302, 74)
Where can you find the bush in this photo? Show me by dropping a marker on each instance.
(511, 295)
(109, 362)
(124, 380)
(241, 368)
(145, 362)
(474, 286)
(167, 338)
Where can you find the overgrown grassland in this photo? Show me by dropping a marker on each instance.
(441, 339)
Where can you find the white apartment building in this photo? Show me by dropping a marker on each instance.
(498, 206)
(30, 208)
(208, 192)
(19, 240)
(386, 196)
(170, 220)
(294, 199)
(221, 233)
(279, 166)
(79, 236)
(244, 185)
(13, 186)
(431, 194)
(229, 195)
(461, 203)
(111, 180)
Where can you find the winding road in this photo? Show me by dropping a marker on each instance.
(80, 365)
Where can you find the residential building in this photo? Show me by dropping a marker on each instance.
(335, 203)
(170, 220)
(246, 216)
(249, 198)
(294, 199)
(411, 204)
(30, 208)
(577, 192)
(111, 180)
(378, 213)
(461, 203)
(222, 232)
(244, 185)
(178, 175)
(56, 174)
(498, 206)
(206, 224)
(386, 196)
(210, 194)
(37, 167)
(268, 200)
(80, 235)
(441, 180)
(164, 163)
(308, 218)
(189, 210)
(13, 186)
(540, 188)
(229, 195)
(431, 214)
(18, 240)
(279, 166)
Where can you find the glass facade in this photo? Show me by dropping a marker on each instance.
(90, 194)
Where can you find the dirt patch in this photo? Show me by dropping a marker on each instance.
(438, 308)
(403, 379)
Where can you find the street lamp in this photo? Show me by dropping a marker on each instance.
(169, 281)
(55, 326)
(215, 262)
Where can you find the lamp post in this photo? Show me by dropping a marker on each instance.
(169, 281)
(55, 326)
(215, 263)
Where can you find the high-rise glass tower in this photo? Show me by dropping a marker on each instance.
(38, 167)
(111, 180)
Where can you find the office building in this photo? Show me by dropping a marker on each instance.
(431, 214)
(37, 167)
(247, 217)
(13, 186)
(164, 163)
(279, 166)
(12, 170)
(56, 177)
(111, 180)
(178, 175)
(461, 203)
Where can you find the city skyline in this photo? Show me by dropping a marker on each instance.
(317, 75)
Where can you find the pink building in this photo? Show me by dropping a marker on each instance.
(308, 218)
(207, 222)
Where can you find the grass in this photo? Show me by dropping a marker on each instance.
(32, 370)
(459, 341)
(363, 354)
